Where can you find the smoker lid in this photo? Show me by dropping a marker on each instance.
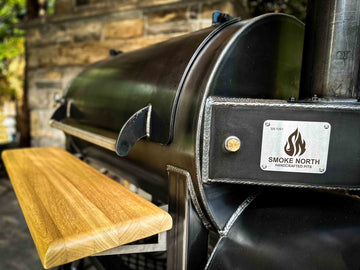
(106, 94)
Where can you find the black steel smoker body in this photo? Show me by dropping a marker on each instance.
(256, 154)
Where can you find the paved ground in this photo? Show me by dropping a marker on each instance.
(17, 250)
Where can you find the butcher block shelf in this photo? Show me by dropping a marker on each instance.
(74, 211)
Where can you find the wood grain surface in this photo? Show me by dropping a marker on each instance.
(74, 211)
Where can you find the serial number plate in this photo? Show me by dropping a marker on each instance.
(295, 146)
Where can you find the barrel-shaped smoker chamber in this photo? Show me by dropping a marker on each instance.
(258, 59)
(108, 93)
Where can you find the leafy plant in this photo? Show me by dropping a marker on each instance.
(11, 47)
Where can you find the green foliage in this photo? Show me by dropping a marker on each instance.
(50, 7)
(11, 42)
(11, 38)
(293, 7)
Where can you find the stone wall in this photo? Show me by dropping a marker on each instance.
(82, 32)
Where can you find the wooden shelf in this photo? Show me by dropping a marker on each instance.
(74, 211)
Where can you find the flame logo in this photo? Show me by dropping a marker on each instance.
(295, 144)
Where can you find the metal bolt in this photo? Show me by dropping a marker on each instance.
(232, 144)
(267, 124)
(263, 167)
(321, 170)
(326, 126)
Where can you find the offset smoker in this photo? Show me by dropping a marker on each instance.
(213, 123)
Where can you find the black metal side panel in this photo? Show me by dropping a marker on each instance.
(293, 229)
(245, 119)
(187, 240)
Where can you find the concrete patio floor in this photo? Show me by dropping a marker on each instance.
(17, 250)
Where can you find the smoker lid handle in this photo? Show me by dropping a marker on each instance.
(137, 127)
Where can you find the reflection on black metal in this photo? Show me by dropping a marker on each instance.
(136, 128)
(331, 50)
(227, 81)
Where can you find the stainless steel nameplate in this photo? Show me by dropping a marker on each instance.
(295, 146)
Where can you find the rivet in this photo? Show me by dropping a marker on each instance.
(263, 167)
(326, 126)
(321, 170)
(267, 124)
(232, 144)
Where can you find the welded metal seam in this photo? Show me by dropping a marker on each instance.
(191, 189)
(248, 102)
(223, 233)
(237, 213)
(206, 140)
(213, 252)
(275, 184)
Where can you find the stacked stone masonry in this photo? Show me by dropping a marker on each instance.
(82, 32)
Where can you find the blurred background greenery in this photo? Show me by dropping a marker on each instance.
(11, 48)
